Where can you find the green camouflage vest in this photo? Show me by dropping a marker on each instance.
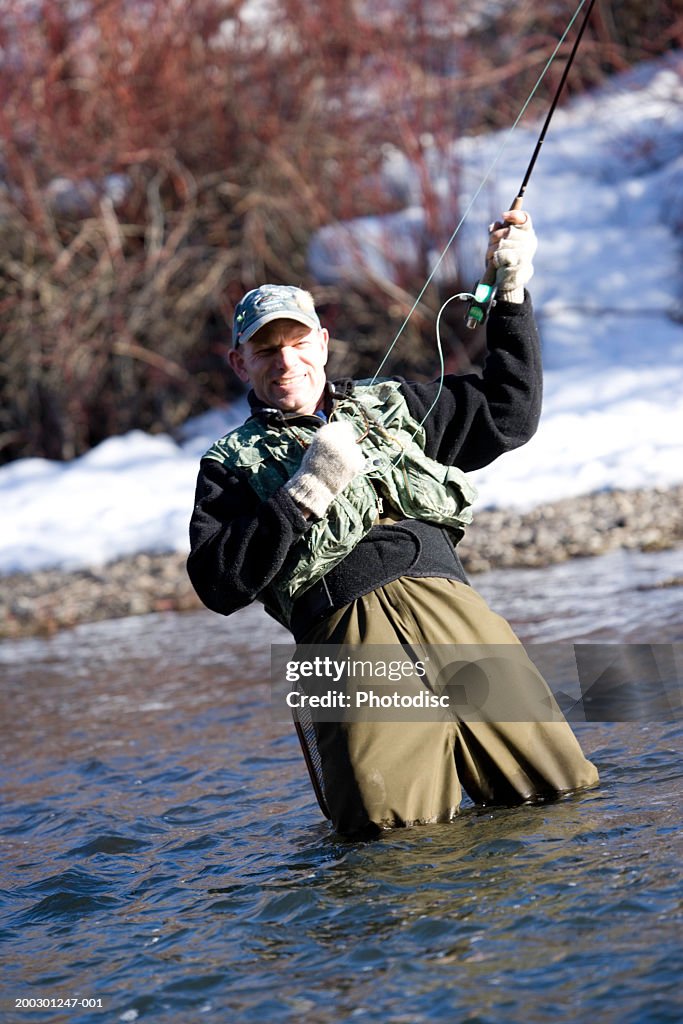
(397, 470)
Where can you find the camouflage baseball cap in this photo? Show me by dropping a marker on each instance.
(271, 302)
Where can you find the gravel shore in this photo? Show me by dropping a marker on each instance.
(647, 520)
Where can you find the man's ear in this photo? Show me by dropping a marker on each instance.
(236, 364)
(326, 342)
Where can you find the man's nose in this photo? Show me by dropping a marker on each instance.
(286, 355)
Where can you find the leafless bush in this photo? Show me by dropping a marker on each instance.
(157, 158)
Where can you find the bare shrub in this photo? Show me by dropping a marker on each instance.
(158, 158)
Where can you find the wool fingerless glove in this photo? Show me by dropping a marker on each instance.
(331, 462)
(513, 261)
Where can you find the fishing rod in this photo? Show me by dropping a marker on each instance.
(468, 295)
(485, 289)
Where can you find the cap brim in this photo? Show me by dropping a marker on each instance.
(268, 318)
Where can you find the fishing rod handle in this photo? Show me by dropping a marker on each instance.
(485, 289)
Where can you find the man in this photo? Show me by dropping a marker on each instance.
(339, 506)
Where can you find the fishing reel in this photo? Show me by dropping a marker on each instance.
(481, 301)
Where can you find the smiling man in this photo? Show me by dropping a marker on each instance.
(280, 348)
(339, 506)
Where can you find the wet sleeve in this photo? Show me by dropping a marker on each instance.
(473, 419)
(237, 541)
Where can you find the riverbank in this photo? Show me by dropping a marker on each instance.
(648, 520)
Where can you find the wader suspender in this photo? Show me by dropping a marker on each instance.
(306, 732)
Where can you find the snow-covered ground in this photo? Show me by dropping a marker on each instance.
(606, 191)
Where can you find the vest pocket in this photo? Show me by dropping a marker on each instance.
(439, 490)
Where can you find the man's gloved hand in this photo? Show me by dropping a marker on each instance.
(330, 463)
(512, 244)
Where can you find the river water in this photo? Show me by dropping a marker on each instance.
(164, 859)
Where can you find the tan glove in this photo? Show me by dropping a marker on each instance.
(512, 244)
(329, 465)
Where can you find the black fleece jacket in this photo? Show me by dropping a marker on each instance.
(239, 543)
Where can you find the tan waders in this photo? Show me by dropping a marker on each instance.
(392, 773)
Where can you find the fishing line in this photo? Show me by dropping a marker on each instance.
(477, 193)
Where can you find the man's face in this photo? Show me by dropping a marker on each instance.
(284, 363)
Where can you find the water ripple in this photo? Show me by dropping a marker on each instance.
(162, 851)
